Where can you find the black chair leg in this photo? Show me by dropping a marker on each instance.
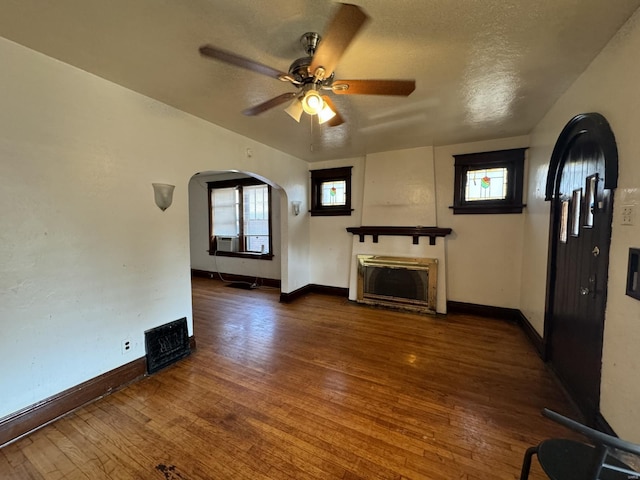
(526, 462)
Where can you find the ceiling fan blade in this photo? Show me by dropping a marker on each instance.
(337, 120)
(374, 87)
(233, 59)
(274, 102)
(342, 28)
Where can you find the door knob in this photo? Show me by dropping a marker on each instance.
(584, 291)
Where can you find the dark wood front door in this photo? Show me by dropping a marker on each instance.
(579, 245)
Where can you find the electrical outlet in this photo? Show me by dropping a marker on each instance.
(126, 346)
(627, 215)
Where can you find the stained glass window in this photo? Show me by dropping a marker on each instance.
(333, 193)
(486, 184)
(489, 182)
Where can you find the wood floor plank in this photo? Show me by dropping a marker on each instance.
(320, 388)
(49, 460)
(95, 462)
(15, 466)
(18, 465)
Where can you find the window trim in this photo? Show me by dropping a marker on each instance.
(318, 177)
(512, 160)
(239, 183)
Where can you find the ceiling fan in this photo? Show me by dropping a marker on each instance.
(314, 73)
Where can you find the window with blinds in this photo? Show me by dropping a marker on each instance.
(240, 217)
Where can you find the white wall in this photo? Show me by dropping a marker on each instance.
(609, 86)
(199, 234)
(400, 188)
(87, 258)
(480, 262)
(330, 241)
(484, 251)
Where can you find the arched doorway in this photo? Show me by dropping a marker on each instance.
(249, 267)
(582, 176)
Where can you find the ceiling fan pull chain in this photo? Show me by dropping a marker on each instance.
(311, 133)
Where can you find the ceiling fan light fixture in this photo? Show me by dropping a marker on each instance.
(326, 113)
(312, 102)
(316, 71)
(294, 110)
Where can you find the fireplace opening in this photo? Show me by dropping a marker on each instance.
(396, 282)
(400, 282)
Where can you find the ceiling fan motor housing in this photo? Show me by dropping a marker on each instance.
(299, 69)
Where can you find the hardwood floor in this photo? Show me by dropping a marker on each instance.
(318, 389)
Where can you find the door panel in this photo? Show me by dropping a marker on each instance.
(576, 320)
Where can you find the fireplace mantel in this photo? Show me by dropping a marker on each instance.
(415, 232)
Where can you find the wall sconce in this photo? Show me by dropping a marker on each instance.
(163, 194)
(295, 206)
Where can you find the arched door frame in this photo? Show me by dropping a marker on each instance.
(598, 127)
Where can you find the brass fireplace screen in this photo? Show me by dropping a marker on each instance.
(400, 282)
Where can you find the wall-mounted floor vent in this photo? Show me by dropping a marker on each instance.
(166, 344)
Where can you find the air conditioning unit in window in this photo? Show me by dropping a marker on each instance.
(227, 244)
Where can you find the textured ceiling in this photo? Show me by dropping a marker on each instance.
(483, 69)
